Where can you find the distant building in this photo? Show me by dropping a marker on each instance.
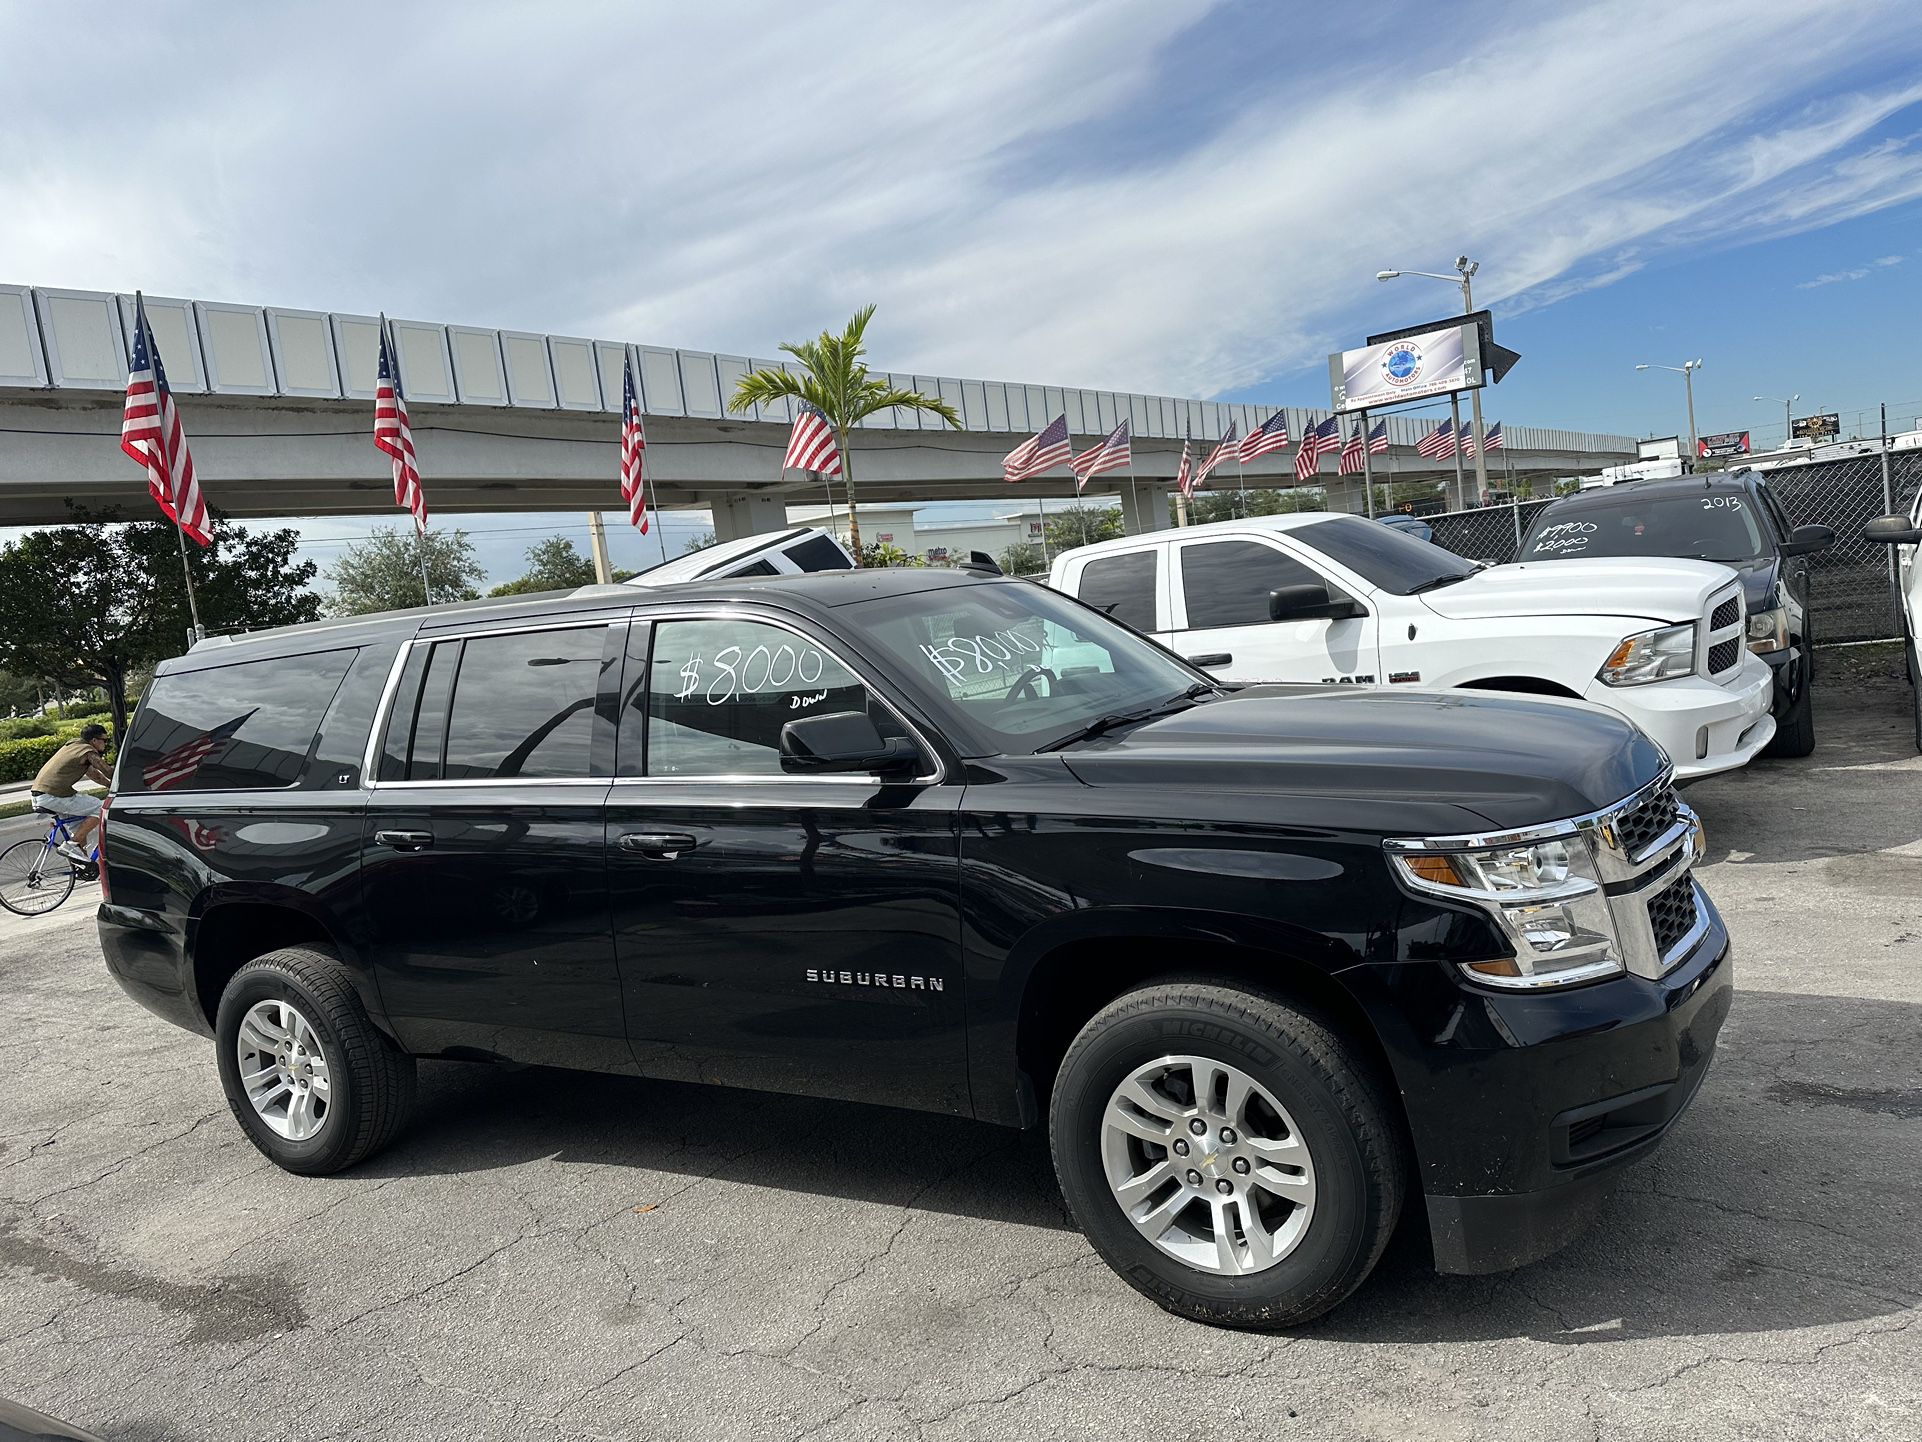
(921, 530)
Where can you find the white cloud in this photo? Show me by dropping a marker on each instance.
(1860, 272)
(1021, 195)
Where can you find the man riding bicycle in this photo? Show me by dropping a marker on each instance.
(53, 788)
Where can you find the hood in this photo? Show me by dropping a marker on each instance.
(1658, 588)
(1758, 582)
(1511, 760)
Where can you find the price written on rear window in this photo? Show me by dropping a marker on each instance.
(983, 655)
(732, 672)
(1563, 536)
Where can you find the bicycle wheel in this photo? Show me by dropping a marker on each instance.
(34, 878)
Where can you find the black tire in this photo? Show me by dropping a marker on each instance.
(372, 1080)
(1795, 731)
(1342, 1113)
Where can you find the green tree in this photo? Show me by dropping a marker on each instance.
(836, 381)
(886, 553)
(1023, 558)
(1233, 505)
(382, 572)
(552, 565)
(1081, 525)
(20, 695)
(98, 602)
(699, 543)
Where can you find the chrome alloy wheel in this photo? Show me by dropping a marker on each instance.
(1207, 1165)
(283, 1070)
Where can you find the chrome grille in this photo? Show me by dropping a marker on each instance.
(1722, 655)
(1671, 915)
(1642, 827)
(1726, 615)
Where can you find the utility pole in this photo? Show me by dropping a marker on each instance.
(1468, 268)
(597, 538)
(1687, 371)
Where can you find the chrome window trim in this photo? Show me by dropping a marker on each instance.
(370, 777)
(742, 613)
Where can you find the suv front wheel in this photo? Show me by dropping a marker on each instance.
(314, 1084)
(1227, 1153)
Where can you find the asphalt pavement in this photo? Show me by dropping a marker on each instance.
(552, 1257)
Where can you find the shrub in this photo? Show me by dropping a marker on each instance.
(15, 727)
(20, 759)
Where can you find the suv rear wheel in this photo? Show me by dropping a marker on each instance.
(1227, 1153)
(314, 1084)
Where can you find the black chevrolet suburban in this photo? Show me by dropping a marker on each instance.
(1273, 965)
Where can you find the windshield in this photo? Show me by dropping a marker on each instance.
(1019, 665)
(1385, 557)
(1701, 525)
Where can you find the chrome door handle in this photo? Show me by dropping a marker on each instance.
(660, 845)
(405, 840)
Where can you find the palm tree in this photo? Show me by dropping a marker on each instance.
(836, 381)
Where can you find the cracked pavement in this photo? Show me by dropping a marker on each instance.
(555, 1257)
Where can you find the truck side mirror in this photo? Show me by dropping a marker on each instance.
(1893, 530)
(1806, 540)
(1310, 601)
(843, 741)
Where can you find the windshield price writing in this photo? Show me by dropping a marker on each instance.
(983, 655)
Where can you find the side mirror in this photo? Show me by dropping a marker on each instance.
(843, 741)
(1310, 602)
(1893, 530)
(1806, 540)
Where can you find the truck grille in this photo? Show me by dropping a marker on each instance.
(1726, 615)
(1641, 828)
(1671, 915)
(1721, 638)
(1722, 655)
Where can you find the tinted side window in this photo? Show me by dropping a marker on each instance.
(719, 691)
(1227, 582)
(240, 727)
(818, 553)
(1123, 586)
(523, 704)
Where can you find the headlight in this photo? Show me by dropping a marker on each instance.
(1651, 656)
(1546, 896)
(1768, 630)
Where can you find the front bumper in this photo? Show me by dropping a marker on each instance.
(1704, 726)
(1523, 1107)
(1789, 668)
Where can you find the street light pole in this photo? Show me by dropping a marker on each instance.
(1788, 414)
(1464, 273)
(1687, 371)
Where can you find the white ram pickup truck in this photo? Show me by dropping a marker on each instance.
(1323, 598)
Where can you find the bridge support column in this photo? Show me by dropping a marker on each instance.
(748, 515)
(1144, 506)
(1347, 493)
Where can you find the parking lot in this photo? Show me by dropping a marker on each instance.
(547, 1255)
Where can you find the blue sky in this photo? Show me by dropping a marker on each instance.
(1158, 195)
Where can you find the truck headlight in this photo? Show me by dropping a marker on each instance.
(1545, 895)
(1651, 656)
(1768, 630)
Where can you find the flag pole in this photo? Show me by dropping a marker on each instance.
(1367, 466)
(1241, 484)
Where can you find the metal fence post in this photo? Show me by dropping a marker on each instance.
(1888, 507)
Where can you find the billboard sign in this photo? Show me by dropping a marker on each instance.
(1429, 363)
(1729, 443)
(1816, 428)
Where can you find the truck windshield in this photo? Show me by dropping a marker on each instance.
(1018, 665)
(1701, 525)
(1384, 556)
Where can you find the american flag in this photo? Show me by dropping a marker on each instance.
(173, 767)
(1040, 452)
(1353, 455)
(151, 434)
(393, 435)
(1492, 437)
(1316, 442)
(1224, 448)
(810, 446)
(1270, 435)
(1114, 454)
(1378, 439)
(633, 450)
(1439, 442)
(1185, 476)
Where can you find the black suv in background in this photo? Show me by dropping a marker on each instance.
(1271, 964)
(1734, 519)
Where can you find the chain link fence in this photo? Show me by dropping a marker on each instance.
(1848, 583)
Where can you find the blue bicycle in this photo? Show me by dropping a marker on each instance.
(35, 877)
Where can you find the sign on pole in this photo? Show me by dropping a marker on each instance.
(1816, 428)
(1430, 363)
(1728, 443)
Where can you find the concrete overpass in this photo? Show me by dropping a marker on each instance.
(278, 408)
